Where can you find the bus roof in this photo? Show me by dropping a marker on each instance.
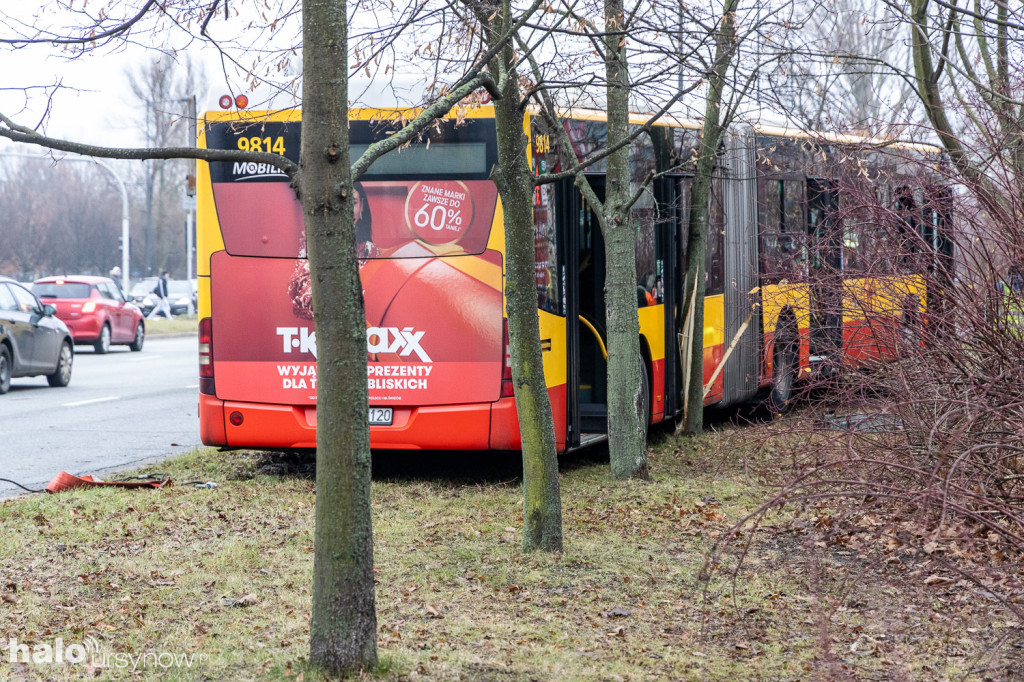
(280, 104)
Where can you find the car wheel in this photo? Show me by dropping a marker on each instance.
(62, 377)
(102, 344)
(5, 369)
(140, 337)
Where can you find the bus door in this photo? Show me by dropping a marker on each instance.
(587, 371)
(825, 275)
(673, 195)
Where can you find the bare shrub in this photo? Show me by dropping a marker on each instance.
(917, 453)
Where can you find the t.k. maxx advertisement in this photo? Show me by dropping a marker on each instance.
(431, 288)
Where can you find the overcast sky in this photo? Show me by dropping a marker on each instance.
(92, 106)
(94, 103)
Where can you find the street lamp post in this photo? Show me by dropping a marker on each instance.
(124, 205)
(190, 114)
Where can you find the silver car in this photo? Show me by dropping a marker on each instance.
(32, 341)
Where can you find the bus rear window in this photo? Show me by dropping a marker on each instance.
(433, 197)
(438, 158)
(394, 218)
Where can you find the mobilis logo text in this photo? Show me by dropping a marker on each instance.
(405, 341)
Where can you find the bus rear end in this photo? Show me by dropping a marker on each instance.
(430, 248)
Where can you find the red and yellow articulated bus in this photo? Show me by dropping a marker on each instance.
(431, 242)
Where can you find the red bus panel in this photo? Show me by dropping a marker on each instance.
(433, 333)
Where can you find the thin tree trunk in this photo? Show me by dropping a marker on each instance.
(626, 428)
(542, 502)
(700, 200)
(343, 629)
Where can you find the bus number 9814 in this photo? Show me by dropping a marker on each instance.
(261, 144)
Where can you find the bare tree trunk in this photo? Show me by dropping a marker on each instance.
(542, 500)
(343, 630)
(926, 80)
(626, 426)
(542, 503)
(700, 199)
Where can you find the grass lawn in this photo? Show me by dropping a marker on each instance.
(177, 325)
(224, 574)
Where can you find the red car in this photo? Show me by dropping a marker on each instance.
(94, 309)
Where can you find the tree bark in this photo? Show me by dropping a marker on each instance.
(627, 445)
(343, 629)
(926, 80)
(542, 500)
(700, 200)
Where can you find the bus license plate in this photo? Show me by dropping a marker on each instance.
(381, 415)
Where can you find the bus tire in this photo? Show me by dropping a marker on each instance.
(644, 407)
(910, 328)
(785, 365)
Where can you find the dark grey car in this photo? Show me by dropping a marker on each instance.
(32, 341)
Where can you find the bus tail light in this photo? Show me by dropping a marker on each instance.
(206, 384)
(507, 389)
(240, 101)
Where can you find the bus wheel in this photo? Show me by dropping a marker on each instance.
(910, 327)
(785, 361)
(644, 406)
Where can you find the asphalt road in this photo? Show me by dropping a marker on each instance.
(120, 409)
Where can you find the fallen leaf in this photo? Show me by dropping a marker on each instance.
(247, 600)
(932, 579)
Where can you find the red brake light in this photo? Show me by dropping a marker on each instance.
(225, 101)
(507, 388)
(206, 356)
(89, 307)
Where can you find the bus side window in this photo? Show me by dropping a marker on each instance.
(644, 216)
(782, 228)
(714, 275)
(546, 251)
